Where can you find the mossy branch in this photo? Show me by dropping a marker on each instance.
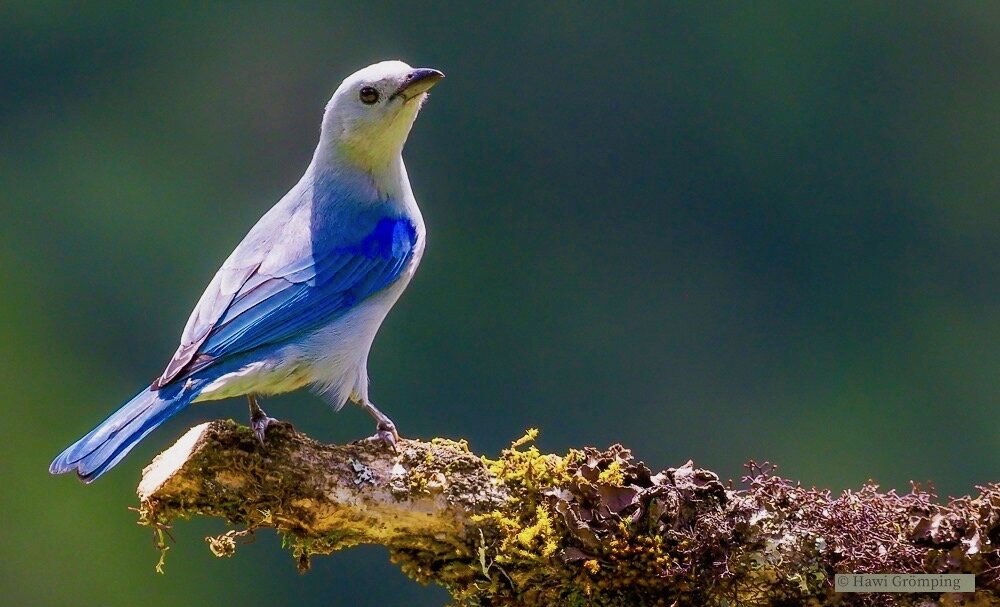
(586, 528)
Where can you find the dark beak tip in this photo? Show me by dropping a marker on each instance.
(426, 73)
(420, 80)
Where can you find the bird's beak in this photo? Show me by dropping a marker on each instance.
(418, 81)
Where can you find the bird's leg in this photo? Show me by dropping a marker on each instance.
(259, 421)
(385, 430)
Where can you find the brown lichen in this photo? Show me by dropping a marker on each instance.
(597, 528)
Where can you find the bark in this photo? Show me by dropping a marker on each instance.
(589, 527)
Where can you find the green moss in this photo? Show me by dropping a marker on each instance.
(304, 548)
(159, 521)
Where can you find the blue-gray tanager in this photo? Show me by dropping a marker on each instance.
(299, 301)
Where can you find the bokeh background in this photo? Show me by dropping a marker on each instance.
(702, 230)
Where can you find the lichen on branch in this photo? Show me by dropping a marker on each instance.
(590, 527)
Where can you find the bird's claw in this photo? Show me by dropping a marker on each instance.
(259, 423)
(385, 433)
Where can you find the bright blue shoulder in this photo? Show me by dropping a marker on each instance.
(327, 246)
(279, 307)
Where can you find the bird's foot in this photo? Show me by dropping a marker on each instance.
(385, 429)
(259, 426)
(259, 421)
(385, 433)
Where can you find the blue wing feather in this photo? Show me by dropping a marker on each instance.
(291, 303)
(302, 296)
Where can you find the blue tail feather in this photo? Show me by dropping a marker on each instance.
(108, 443)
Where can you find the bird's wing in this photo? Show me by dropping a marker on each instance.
(247, 307)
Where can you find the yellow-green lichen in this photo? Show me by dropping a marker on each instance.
(571, 532)
(613, 475)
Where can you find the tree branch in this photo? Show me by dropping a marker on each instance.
(586, 528)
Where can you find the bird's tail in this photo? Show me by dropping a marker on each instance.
(108, 443)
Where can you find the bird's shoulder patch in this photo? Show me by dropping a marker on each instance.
(334, 282)
(391, 237)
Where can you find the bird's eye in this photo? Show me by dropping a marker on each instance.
(369, 95)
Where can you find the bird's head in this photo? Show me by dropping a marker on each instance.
(371, 113)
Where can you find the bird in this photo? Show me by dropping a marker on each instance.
(300, 299)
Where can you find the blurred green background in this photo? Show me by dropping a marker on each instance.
(702, 230)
